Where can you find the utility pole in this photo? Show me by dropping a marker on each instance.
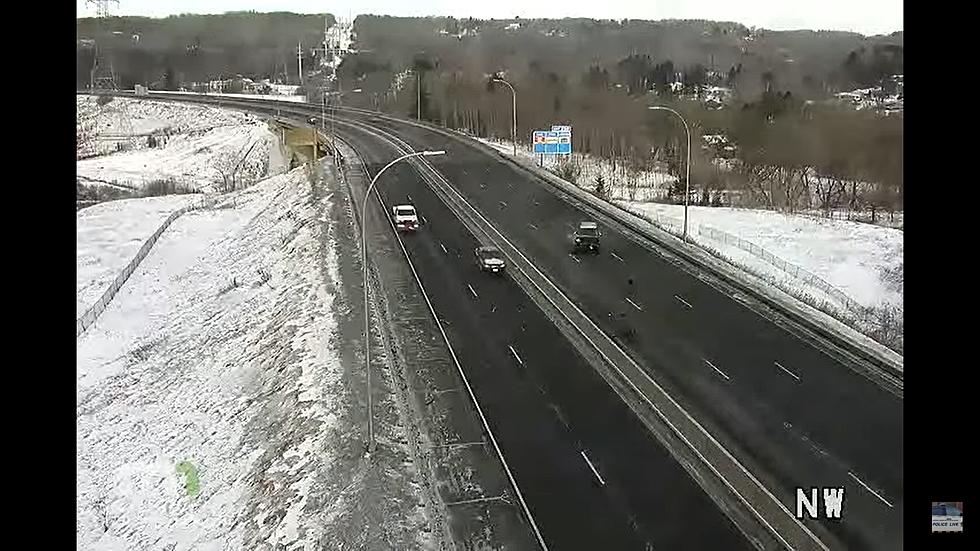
(299, 59)
(418, 106)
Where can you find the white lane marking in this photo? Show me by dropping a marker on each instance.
(619, 258)
(469, 388)
(686, 303)
(866, 487)
(409, 198)
(720, 372)
(441, 181)
(514, 352)
(591, 466)
(635, 305)
(472, 291)
(788, 372)
(503, 203)
(443, 248)
(533, 227)
(424, 221)
(575, 258)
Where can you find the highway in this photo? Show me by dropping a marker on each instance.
(793, 411)
(796, 415)
(592, 474)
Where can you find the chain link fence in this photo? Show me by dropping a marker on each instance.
(883, 324)
(799, 273)
(94, 311)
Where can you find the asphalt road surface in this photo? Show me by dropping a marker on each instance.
(795, 415)
(593, 476)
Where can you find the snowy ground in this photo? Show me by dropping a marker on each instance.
(863, 262)
(198, 144)
(278, 97)
(108, 236)
(650, 185)
(220, 356)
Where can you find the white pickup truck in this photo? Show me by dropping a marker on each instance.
(405, 217)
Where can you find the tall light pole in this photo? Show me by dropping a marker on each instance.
(687, 179)
(513, 132)
(364, 275)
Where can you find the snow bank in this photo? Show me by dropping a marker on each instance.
(277, 97)
(218, 351)
(108, 236)
(199, 145)
(862, 260)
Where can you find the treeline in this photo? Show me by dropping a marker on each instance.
(790, 153)
(169, 52)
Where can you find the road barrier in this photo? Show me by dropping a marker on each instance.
(94, 311)
(800, 273)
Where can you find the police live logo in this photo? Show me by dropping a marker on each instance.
(807, 505)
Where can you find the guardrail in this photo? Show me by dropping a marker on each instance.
(845, 337)
(94, 311)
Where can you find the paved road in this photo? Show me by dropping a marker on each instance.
(594, 477)
(792, 413)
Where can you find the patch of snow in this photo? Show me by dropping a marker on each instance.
(199, 144)
(853, 257)
(199, 358)
(108, 236)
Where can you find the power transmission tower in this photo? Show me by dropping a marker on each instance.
(102, 75)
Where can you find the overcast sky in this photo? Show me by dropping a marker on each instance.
(863, 16)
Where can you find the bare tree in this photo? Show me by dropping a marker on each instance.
(226, 165)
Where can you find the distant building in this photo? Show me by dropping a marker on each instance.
(512, 27)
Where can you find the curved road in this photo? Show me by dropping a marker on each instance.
(793, 411)
(797, 415)
(592, 474)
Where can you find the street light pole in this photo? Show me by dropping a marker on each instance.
(687, 179)
(364, 275)
(513, 132)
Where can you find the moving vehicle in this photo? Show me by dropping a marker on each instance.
(490, 259)
(405, 217)
(586, 237)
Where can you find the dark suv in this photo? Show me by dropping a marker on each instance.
(490, 259)
(586, 237)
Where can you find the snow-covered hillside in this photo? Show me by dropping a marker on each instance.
(196, 146)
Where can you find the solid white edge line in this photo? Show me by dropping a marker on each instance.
(462, 375)
(670, 398)
(591, 466)
(636, 366)
(868, 488)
